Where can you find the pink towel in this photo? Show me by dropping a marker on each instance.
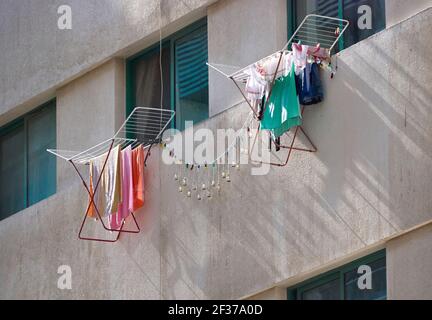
(126, 189)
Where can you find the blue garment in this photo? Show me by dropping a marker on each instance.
(309, 86)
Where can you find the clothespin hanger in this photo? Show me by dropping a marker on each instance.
(148, 154)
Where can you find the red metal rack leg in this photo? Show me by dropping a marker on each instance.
(91, 203)
(290, 148)
(246, 99)
(314, 148)
(270, 91)
(272, 83)
(136, 223)
(253, 148)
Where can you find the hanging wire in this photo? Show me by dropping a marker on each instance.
(231, 146)
(160, 62)
(313, 30)
(160, 68)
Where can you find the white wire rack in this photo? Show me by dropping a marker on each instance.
(314, 29)
(144, 126)
(321, 32)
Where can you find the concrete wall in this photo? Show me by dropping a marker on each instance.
(37, 58)
(39, 239)
(89, 111)
(272, 294)
(409, 262)
(251, 37)
(369, 181)
(399, 10)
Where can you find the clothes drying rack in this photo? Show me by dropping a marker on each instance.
(144, 126)
(313, 30)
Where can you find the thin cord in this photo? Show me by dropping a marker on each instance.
(160, 63)
(230, 147)
(160, 126)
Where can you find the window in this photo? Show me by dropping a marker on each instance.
(352, 10)
(342, 284)
(27, 171)
(185, 76)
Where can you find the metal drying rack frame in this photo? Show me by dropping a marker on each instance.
(314, 29)
(144, 126)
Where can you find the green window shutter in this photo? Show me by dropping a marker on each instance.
(378, 291)
(12, 169)
(344, 9)
(191, 77)
(325, 289)
(342, 283)
(185, 75)
(190, 59)
(328, 8)
(350, 12)
(41, 166)
(27, 170)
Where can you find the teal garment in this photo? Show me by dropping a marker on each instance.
(283, 110)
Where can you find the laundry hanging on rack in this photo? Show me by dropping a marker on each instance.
(108, 194)
(138, 165)
(121, 188)
(307, 60)
(309, 86)
(319, 53)
(300, 55)
(255, 88)
(283, 110)
(297, 81)
(269, 67)
(260, 76)
(115, 220)
(323, 34)
(256, 84)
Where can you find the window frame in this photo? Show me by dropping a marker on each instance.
(168, 42)
(22, 122)
(295, 292)
(293, 23)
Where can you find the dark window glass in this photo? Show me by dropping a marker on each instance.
(343, 283)
(322, 7)
(191, 55)
(378, 291)
(185, 76)
(327, 291)
(351, 10)
(147, 86)
(27, 170)
(147, 79)
(12, 169)
(356, 33)
(41, 165)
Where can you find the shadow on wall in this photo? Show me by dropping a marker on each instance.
(369, 180)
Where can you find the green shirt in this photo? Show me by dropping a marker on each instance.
(283, 109)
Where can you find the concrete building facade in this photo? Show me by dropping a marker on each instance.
(365, 191)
